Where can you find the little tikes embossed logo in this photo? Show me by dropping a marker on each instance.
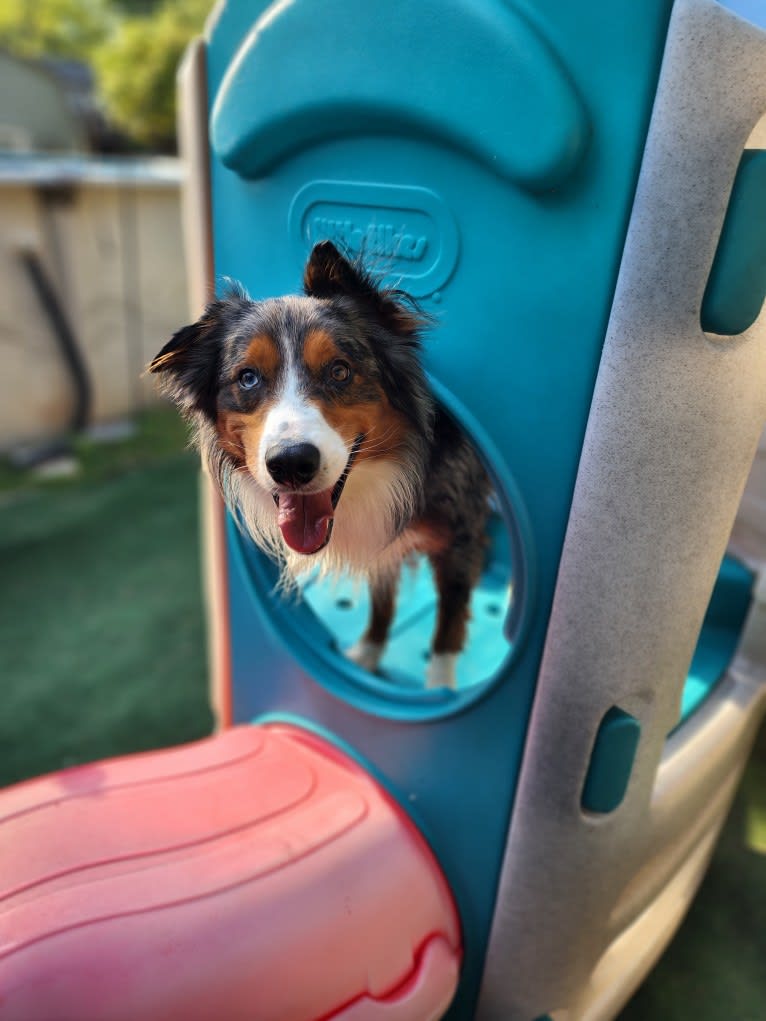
(407, 234)
(386, 239)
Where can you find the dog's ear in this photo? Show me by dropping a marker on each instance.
(329, 274)
(189, 362)
(398, 360)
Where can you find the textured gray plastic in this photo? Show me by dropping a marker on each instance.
(586, 903)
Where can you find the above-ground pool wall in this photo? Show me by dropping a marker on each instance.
(524, 252)
(106, 234)
(673, 428)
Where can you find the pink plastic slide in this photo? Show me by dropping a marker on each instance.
(260, 874)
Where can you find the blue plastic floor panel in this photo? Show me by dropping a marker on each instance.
(343, 606)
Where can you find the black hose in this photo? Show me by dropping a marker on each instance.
(64, 335)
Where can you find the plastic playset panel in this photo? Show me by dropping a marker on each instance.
(516, 237)
(484, 157)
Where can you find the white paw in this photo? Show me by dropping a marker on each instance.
(442, 671)
(365, 654)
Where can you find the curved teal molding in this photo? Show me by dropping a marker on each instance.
(472, 74)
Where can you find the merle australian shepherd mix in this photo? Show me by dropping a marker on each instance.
(315, 419)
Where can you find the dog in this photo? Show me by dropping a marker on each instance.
(315, 418)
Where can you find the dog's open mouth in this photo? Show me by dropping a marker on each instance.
(306, 519)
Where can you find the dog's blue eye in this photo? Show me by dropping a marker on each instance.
(248, 378)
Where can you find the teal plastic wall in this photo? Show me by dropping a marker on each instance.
(484, 154)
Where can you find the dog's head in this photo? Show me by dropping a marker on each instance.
(299, 398)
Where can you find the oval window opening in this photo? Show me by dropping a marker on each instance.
(325, 623)
(408, 660)
(344, 605)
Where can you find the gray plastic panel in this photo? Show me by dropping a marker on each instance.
(673, 428)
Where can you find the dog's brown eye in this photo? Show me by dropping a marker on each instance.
(340, 371)
(248, 378)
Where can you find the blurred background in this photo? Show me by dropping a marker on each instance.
(101, 635)
(102, 646)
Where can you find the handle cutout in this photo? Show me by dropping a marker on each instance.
(736, 287)
(611, 762)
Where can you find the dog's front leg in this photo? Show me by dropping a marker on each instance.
(456, 572)
(368, 651)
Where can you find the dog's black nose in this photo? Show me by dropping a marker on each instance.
(292, 465)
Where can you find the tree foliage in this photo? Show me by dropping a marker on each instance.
(55, 28)
(134, 46)
(136, 68)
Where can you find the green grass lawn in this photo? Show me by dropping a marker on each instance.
(102, 652)
(102, 648)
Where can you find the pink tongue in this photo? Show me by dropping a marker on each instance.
(305, 519)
